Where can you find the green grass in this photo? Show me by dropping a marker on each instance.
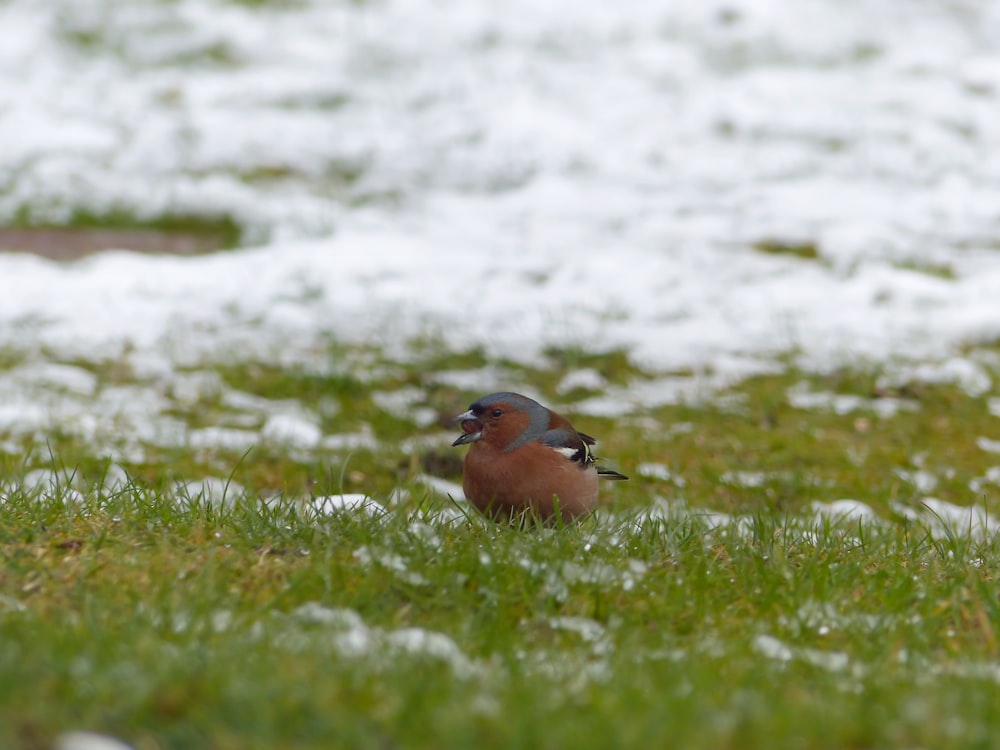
(803, 250)
(205, 233)
(262, 625)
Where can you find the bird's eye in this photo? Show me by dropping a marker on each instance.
(496, 412)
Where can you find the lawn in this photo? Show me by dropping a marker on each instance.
(798, 560)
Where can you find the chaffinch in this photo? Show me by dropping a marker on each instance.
(524, 459)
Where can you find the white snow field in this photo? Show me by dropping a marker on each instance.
(511, 175)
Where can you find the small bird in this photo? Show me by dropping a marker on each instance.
(525, 460)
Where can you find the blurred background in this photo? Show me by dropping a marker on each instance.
(706, 185)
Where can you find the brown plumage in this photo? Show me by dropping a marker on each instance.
(527, 461)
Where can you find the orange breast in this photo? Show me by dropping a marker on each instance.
(531, 479)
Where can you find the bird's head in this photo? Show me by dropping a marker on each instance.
(504, 420)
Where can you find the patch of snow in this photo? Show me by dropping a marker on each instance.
(81, 740)
(480, 381)
(844, 510)
(351, 637)
(654, 470)
(349, 441)
(772, 648)
(988, 444)
(292, 430)
(586, 378)
(406, 403)
(823, 618)
(350, 502)
(801, 397)
(965, 373)
(319, 614)
(225, 438)
(603, 575)
(946, 519)
(991, 477)
(922, 480)
(831, 661)
(585, 627)
(392, 561)
(188, 388)
(443, 486)
(53, 376)
(211, 490)
(422, 642)
(638, 395)
(748, 479)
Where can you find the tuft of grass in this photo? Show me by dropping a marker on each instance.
(616, 365)
(803, 250)
(937, 270)
(85, 232)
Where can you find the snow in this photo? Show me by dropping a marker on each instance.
(348, 502)
(351, 637)
(292, 430)
(81, 740)
(802, 397)
(944, 519)
(515, 177)
(846, 510)
(772, 648)
(988, 444)
(654, 470)
(211, 491)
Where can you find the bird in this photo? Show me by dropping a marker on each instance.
(527, 463)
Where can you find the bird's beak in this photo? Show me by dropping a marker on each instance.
(471, 426)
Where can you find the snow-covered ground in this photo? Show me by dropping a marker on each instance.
(515, 174)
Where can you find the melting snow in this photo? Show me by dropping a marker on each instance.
(502, 202)
(772, 648)
(988, 444)
(945, 519)
(292, 430)
(351, 637)
(351, 502)
(212, 490)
